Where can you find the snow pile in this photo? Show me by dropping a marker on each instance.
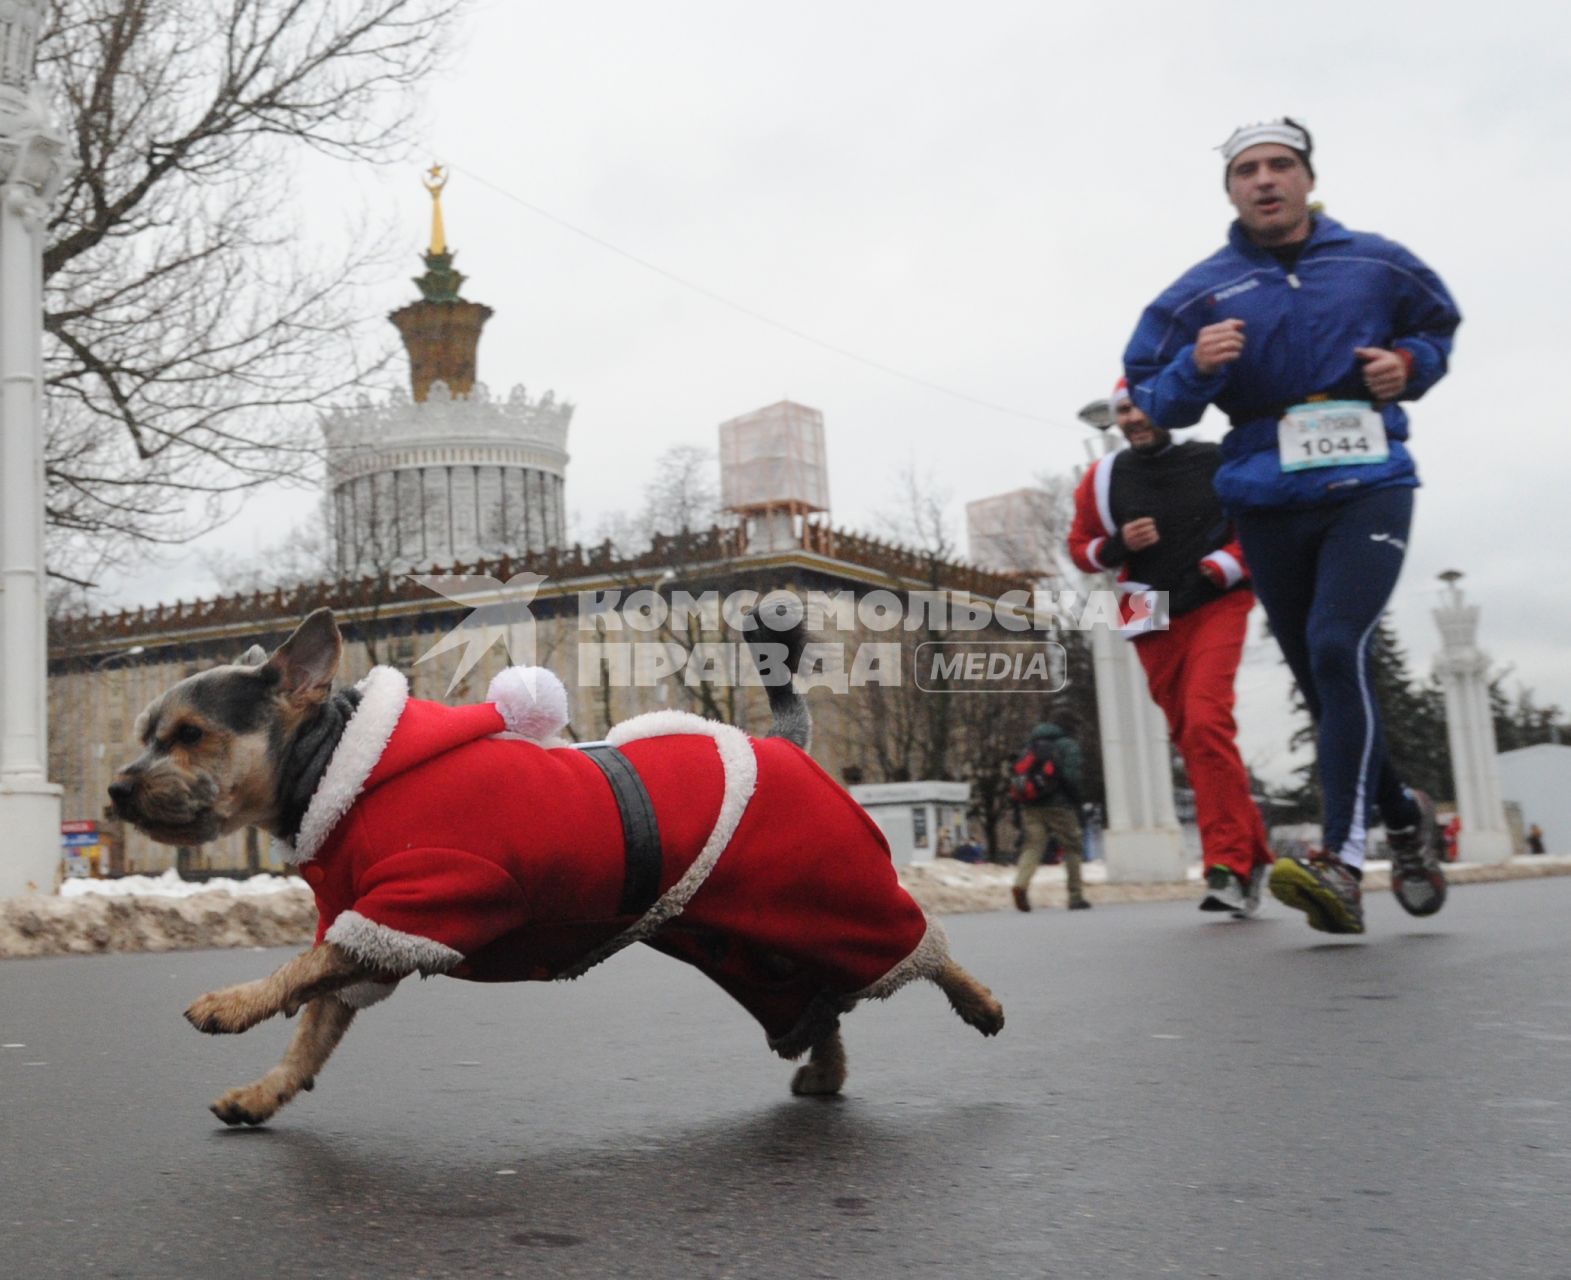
(164, 912)
(158, 913)
(170, 885)
(945, 886)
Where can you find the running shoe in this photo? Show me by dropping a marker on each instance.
(1324, 889)
(1252, 890)
(1416, 877)
(1079, 904)
(1224, 891)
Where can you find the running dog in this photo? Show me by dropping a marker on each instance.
(473, 842)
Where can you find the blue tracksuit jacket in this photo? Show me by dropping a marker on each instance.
(1349, 289)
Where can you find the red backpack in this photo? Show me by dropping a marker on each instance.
(1033, 779)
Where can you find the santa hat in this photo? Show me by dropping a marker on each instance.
(1120, 394)
(531, 700)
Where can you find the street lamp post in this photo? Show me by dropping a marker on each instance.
(34, 161)
(1143, 841)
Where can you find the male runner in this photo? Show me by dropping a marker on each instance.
(1306, 335)
(1149, 514)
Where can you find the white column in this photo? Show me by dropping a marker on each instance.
(34, 160)
(1470, 728)
(1142, 842)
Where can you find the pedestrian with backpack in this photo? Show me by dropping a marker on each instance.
(1044, 784)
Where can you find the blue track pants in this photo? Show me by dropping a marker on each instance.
(1324, 576)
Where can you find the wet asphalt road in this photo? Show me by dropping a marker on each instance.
(1172, 1096)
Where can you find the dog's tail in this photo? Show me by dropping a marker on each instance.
(777, 638)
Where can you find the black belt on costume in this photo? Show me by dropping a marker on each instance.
(640, 831)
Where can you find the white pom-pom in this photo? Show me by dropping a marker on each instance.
(533, 702)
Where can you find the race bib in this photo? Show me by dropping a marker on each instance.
(1331, 433)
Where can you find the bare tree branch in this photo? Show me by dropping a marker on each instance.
(187, 335)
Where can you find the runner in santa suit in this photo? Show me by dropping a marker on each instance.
(1307, 335)
(1149, 515)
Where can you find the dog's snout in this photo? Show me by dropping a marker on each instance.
(120, 792)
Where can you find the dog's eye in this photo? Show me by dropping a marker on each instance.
(188, 735)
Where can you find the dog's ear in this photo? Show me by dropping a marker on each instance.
(255, 656)
(306, 662)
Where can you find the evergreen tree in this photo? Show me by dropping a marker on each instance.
(1521, 722)
(1412, 719)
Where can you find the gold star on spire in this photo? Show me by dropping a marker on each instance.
(435, 180)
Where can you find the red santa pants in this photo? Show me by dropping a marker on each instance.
(1190, 668)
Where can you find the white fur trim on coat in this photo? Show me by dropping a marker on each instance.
(1227, 564)
(741, 779)
(532, 700)
(383, 694)
(390, 950)
(822, 1015)
(925, 961)
(1102, 486)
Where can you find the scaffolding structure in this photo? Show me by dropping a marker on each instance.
(773, 459)
(774, 471)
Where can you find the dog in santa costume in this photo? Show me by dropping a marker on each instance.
(472, 842)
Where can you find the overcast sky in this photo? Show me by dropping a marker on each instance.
(985, 197)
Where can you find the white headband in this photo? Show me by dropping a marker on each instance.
(1251, 135)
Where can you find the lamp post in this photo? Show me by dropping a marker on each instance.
(1143, 841)
(34, 162)
(1470, 728)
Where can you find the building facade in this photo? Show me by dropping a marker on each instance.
(415, 483)
(106, 668)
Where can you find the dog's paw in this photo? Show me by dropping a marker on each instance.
(251, 1104)
(972, 1001)
(818, 1079)
(979, 1009)
(228, 1012)
(990, 1019)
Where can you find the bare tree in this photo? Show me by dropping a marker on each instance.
(682, 496)
(911, 731)
(186, 332)
(905, 732)
(367, 558)
(991, 731)
(685, 493)
(918, 516)
(677, 525)
(303, 555)
(1040, 542)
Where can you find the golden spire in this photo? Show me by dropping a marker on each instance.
(435, 180)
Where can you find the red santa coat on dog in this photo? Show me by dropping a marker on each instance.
(437, 841)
